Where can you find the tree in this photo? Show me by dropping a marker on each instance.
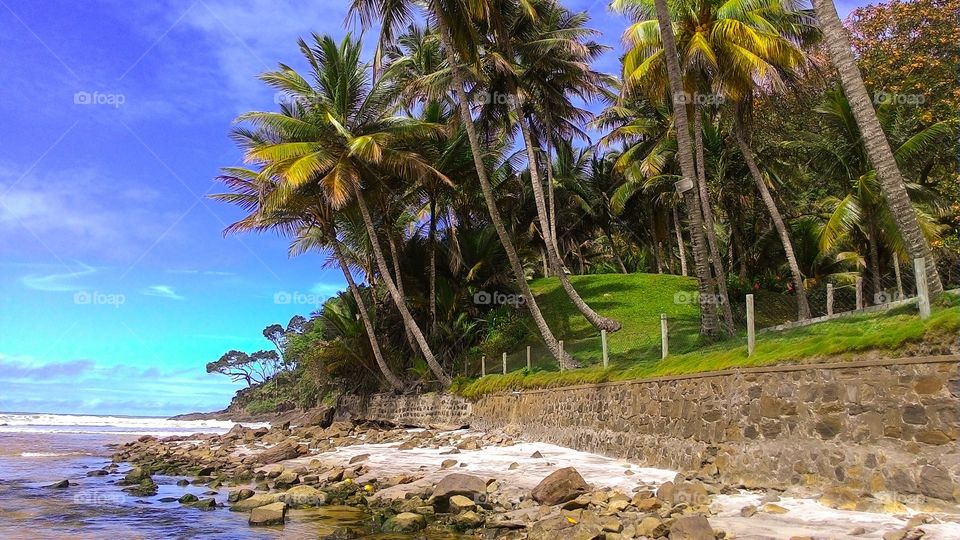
(256, 368)
(878, 148)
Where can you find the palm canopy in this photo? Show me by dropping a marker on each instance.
(732, 46)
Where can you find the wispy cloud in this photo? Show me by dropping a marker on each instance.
(61, 282)
(326, 289)
(161, 291)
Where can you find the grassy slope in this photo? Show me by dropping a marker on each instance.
(637, 300)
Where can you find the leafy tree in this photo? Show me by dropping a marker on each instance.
(256, 368)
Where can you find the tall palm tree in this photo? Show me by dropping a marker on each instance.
(312, 227)
(455, 24)
(348, 141)
(709, 323)
(878, 148)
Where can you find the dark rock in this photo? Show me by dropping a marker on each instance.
(457, 484)
(270, 514)
(280, 452)
(691, 528)
(561, 486)
(61, 484)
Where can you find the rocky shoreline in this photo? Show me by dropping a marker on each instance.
(448, 480)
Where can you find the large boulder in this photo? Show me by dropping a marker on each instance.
(260, 499)
(280, 452)
(561, 486)
(457, 484)
(270, 514)
(135, 476)
(405, 522)
(301, 496)
(692, 528)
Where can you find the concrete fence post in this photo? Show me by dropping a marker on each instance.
(603, 343)
(560, 344)
(859, 292)
(751, 330)
(483, 366)
(504, 363)
(664, 338)
(923, 290)
(529, 363)
(829, 298)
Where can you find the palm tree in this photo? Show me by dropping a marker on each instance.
(347, 141)
(249, 189)
(460, 41)
(878, 148)
(709, 324)
(731, 46)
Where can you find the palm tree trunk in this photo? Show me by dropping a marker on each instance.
(708, 223)
(709, 323)
(656, 240)
(395, 382)
(551, 342)
(598, 321)
(398, 279)
(680, 246)
(803, 307)
(433, 264)
(878, 148)
(615, 251)
(550, 193)
(874, 262)
(408, 322)
(896, 272)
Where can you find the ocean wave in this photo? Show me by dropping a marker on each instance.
(52, 454)
(130, 425)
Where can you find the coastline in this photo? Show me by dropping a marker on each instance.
(409, 480)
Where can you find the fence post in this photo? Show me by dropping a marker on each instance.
(504, 363)
(751, 331)
(529, 364)
(859, 292)
(606, 355)
(923, 292)
(829, 299)
(483, 366)
(664, 339)
(560, 344)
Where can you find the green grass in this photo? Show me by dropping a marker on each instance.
(637, 301)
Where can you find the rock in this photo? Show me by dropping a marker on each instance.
(457, 484)
(146, 488)
(857, 531)
(205, 504)
(260, 499)
(459, 503)
(60, 485)
(447, 463)
(651, 527)
(898, 534)
(239, 495)
(405, 522)
(468, 520)
(748, 511)
(270, 514)
(771, 508)
(301, 496)
(135, 476)
(514, 466)
(536, 455)
(98, 472)
(359, 458)
(183, 483)
(691, 528)
(286, 478)
(935, 482)
(280, 452)
(187, 499)
(690, 493)
(560, 486)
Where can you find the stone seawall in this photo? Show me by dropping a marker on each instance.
(416, 411)
(885, 427)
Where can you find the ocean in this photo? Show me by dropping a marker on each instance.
(37, 450)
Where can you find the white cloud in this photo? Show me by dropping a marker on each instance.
(161, 291)
(60, 282)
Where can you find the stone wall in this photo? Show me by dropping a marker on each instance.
(424, 410)
(885, 427)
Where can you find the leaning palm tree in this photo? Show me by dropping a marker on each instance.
(312, 227)
(455, 23)
(347, 140)
(709, 323)
(878, 148)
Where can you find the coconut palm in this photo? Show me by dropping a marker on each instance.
(348, 141)
(455, 22)
(878, 148)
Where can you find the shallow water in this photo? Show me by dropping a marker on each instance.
(33, 456)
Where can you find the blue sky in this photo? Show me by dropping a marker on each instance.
(116, 285)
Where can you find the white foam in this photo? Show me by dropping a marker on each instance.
(129, 425)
